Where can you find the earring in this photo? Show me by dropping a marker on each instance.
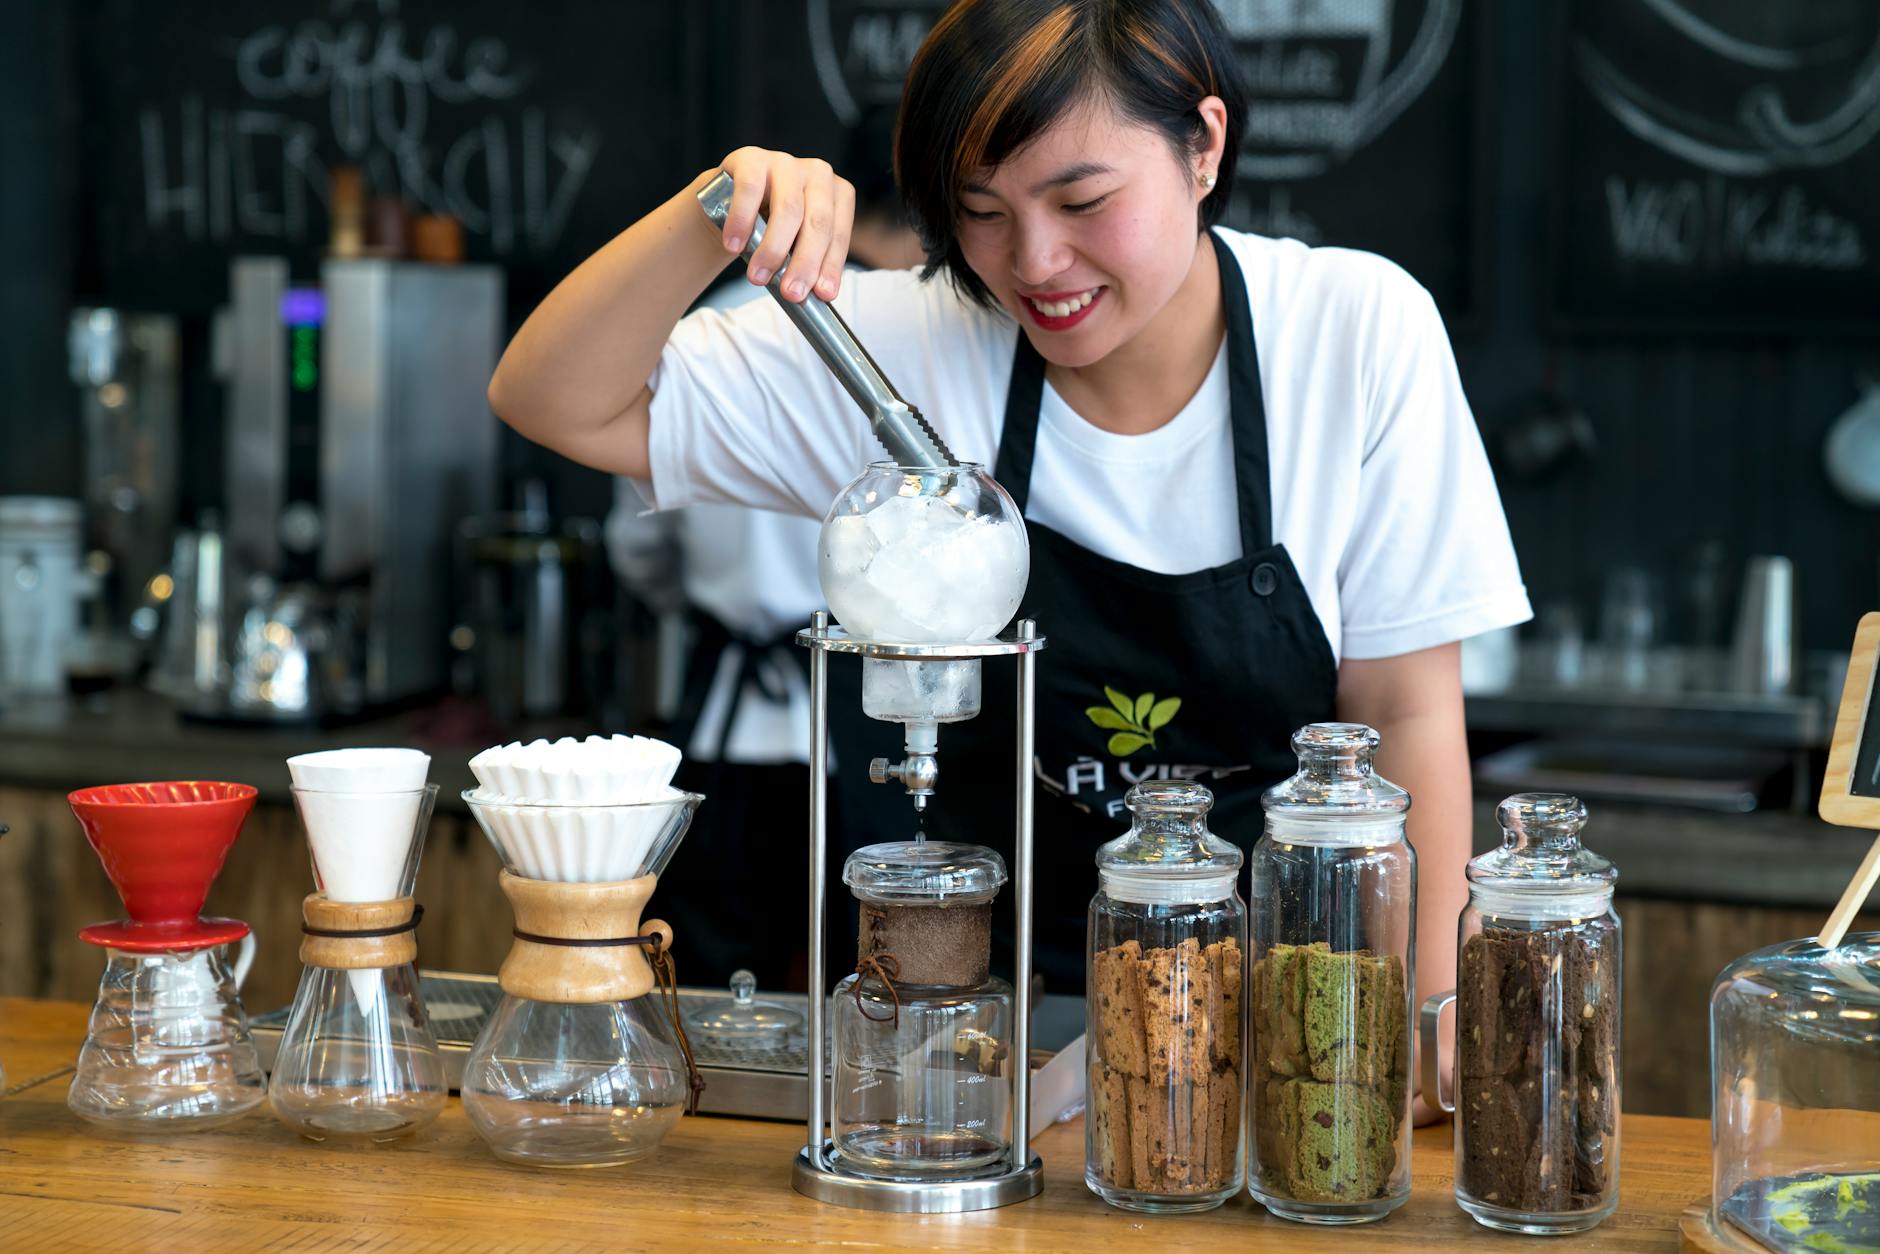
(1207, 179)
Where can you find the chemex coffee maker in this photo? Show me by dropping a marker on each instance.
(923, 559)
(167, 1047)
(358, 437)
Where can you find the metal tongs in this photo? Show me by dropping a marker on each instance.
(898, 425)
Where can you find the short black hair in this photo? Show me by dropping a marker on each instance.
(994, 74)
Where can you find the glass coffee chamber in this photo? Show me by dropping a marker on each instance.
(922, 1028)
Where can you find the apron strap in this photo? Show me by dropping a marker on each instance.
(1018, 440)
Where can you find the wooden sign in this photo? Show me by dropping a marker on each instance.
(1850, 793)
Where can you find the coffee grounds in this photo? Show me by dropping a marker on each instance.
(938, 945)
(1538, 1117)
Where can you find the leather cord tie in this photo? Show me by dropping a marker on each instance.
(409, 925)
(649, 940)
(666, 980)
(887, 969)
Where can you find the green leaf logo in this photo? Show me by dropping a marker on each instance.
(1135, 722)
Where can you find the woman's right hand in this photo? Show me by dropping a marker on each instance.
(808, 213)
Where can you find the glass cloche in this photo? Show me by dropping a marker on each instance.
(1795, 1116)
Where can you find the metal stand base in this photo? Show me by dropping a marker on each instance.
(924, 1197)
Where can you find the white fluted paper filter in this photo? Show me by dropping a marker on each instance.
(582, 844)
(361, 770)
(601, 770)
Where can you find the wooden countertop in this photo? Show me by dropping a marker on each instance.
(715, 1183)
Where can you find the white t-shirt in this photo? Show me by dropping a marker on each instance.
(1381, 491)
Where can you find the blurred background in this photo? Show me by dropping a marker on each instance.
(257, 262)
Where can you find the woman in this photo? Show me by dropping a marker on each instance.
(1250, 477)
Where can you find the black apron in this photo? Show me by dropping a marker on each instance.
(1146, 676)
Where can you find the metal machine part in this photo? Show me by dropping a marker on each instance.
(919, 772)
(358, 436)
(765, 1080)
(897, 424)
(126, 367)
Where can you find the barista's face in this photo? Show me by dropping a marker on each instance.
(1085, 234)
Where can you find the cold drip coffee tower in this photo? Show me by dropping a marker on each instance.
(923, 560)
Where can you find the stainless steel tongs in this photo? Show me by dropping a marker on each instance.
(897, 424)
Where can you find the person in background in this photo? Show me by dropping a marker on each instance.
(736, 584)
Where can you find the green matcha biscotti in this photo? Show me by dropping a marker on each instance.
(1346, 1146)
(1354, 1015)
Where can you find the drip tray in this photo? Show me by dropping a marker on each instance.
(756, 1083)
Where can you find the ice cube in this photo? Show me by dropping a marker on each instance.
(848, 545)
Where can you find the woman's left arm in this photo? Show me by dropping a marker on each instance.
(1415, 702)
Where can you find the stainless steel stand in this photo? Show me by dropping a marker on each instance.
(1022, 1174)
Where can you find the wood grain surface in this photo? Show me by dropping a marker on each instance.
(714, 1184)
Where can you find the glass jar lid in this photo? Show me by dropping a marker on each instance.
(1169, 845)
(910, 872)
(1336, 796)
(1541, 858)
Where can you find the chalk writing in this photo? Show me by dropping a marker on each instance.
(1718, 221)
(258, 170)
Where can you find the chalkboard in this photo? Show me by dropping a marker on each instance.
(1850, 787)
(807, 71)
(1369, 127)
(1716, 166)
(208, 129)
(1366, 125)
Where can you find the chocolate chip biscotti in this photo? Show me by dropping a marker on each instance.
(1164, 1077)
(1330, 1071)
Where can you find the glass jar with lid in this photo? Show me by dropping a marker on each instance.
(923, 1067)
(1333, 949)
(1795, 1083)
(1167, 940)
(1537, 1027)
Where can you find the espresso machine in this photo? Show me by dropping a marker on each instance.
(358, 436)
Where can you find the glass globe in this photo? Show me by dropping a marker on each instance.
(913, 555)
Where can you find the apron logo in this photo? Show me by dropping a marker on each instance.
(1134, 723)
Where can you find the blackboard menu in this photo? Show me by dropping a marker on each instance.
(1368, 128)
(210, 129)
(809, 71)
(1716, 166)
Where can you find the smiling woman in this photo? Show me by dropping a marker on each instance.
(1152, 64)
(1253, 489)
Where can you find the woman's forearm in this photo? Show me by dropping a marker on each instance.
(1426, 755)
(1415, 703)
(575, 376)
